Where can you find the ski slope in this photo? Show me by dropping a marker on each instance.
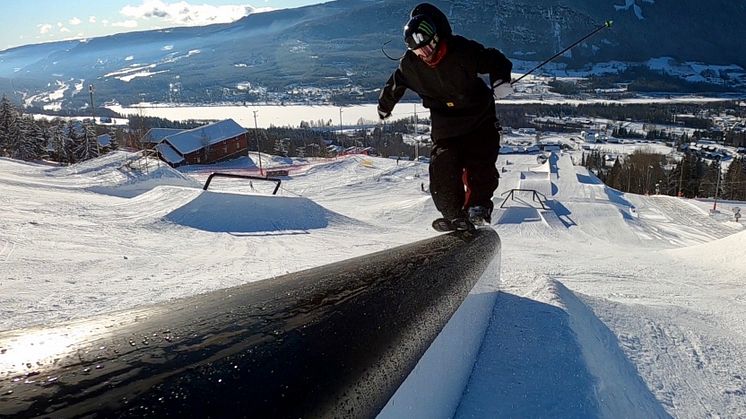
(611, 304)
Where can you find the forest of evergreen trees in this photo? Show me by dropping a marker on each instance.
(23, 138)
(693, 177)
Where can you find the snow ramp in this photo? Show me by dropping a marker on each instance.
(546, 354)
(236, 213)
(538, 179)
(725, 254)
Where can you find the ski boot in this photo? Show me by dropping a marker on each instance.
(457, 224)
(442, 224)
(480, 216)
(463, 224)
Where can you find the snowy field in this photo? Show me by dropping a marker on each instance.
(292, 115)
(270, 115)
(612, 305)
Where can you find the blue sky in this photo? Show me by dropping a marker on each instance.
(35, 21)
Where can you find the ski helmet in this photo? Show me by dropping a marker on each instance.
(421, 36)
(439, 18)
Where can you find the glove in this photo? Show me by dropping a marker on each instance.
(502, 89)
(383, 114)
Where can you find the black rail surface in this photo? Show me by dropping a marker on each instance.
(333, 341)
(235, 176)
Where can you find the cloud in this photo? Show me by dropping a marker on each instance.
(61, 27)
(44, 28)
(74, 21)
(184, 14)
(91, 19)
(125, 24)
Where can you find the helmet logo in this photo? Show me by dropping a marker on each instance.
(426, 28)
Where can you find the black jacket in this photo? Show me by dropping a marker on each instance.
(458, 99)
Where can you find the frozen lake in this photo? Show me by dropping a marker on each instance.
(292, 115)
(276, 115)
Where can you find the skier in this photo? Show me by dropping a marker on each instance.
(443, 69)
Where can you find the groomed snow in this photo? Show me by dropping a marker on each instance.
(611, 304)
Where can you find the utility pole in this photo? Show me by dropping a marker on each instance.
(717, 187)
(258, 149)
(93, 109)
(416, 138)
(629, 178)
(340, 127)
(93, 116)
(681, 175)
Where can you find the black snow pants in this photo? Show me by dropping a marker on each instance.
(463, 172)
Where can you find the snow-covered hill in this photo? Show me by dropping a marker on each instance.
(332, 50)
(612, 305)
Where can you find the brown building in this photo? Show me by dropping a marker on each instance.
(155, 135)
(203, 145)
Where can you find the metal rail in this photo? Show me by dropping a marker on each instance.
(232, 175)
(535, 197)
(333, 341)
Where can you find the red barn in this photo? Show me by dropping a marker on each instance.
(203, 145)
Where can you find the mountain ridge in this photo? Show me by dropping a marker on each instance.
(333, 50)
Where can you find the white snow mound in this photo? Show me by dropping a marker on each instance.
(726, 253)
(236, 213)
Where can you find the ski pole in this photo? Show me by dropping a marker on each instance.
(606, 24)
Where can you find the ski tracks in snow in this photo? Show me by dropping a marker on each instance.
(678, 222)
(691, 364)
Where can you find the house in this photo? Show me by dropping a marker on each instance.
(549, 145)
(527, 131)
(368, 151)
(156, 135)
(203, 145)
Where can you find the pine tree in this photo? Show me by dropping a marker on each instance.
(685, 176)
(9, 130)
(616, 175)
(281, 147)
(73, 139)
(114, 144)
(58, 142)
(32, 142)
(710, 180)
(734, 182)
(741, 194)
(87, 146)
(695, 174)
